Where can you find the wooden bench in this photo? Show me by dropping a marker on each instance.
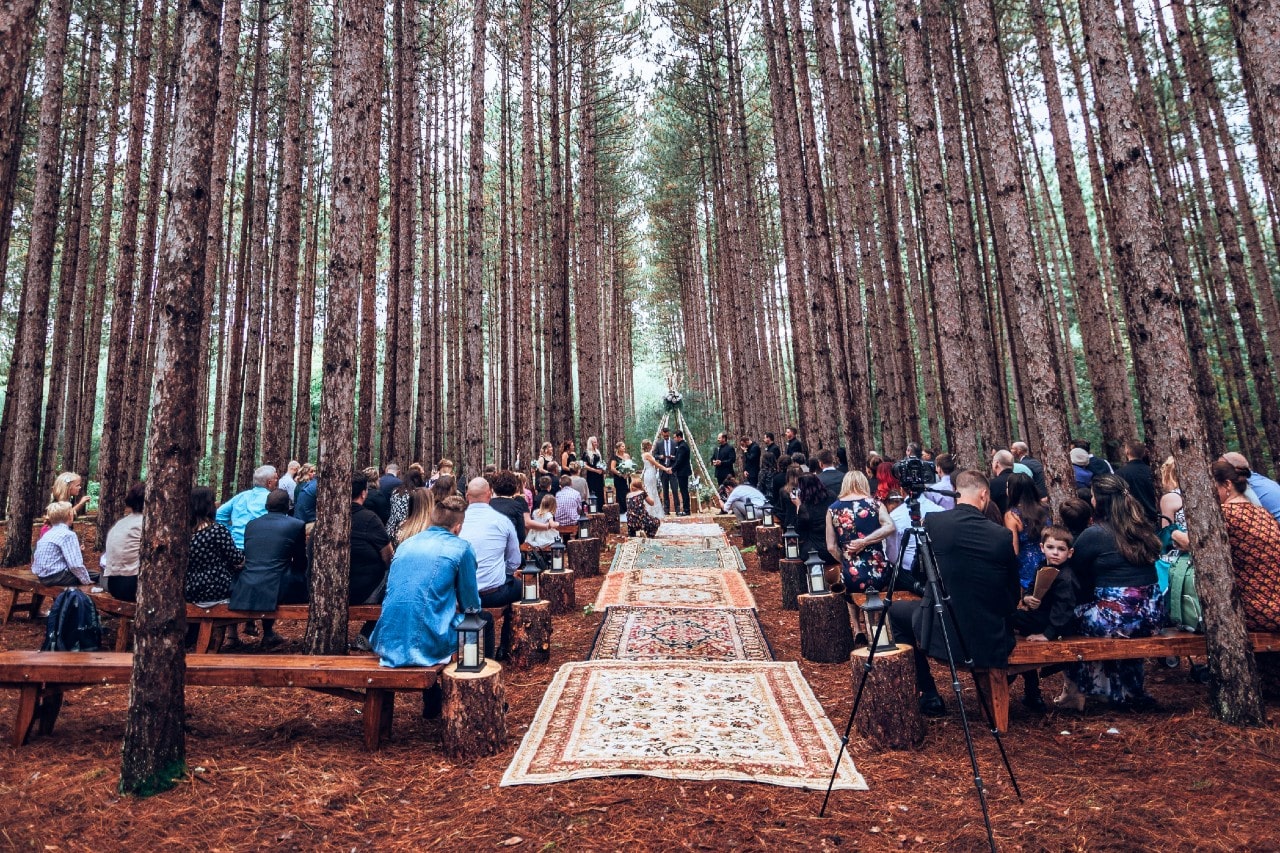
(14, 582)
(42, 677)
(1029, 655)
(214, 619)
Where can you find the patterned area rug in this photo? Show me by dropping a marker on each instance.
(755, 722)
(675, 588)
(680, 633)
(692, 530)
(639, 554)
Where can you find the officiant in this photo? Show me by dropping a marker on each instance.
(723, 458)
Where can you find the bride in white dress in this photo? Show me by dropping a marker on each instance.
(650, 478)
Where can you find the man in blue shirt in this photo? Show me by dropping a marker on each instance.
(1266, 490)
(492, 537)
(431, 584)
(248, 505)
(304, 503)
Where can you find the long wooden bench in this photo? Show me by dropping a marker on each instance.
(1029, 655)
(42, 677)
(210, 619)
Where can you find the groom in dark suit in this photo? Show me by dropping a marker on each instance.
(681, 469)
(665, 452)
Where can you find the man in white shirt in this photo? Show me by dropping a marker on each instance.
(288, 481)
(739, 496)
(901, 515)
(492, 537)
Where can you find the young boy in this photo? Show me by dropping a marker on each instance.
(1053, 617)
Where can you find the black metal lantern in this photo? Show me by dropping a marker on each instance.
(791, 541)
(593, 503)
(470, 646)
(751, 510)
(815, 575)
(530, 572)
(609, 493)
(557, 555)
(584, 525)
(872, 612)
(766, 518)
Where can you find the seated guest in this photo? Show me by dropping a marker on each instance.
(811, 500)
(1025, 520)
(1255, 548)
(215, 559)
(894, 547)
(857, 525)
(371, 552)
(1076, 515)
(579, 482)
(248, 505)
(741, 494)
(524, 490)
(544, 489)
(504, 485)
(445, 486)
(443, 468)
(787, 484)
(1080, 467)
(119, 559)
(638, 518)
(492, 537)
(1140, 477)
(829, 474)
(1001, 469)
(421, 511)
(304, 502)
(400, 501)
(1052, 617)
(377, 501)
(68, 486)
(275, 564)
(58, 560)
(1115, 566)
(979, 571)
(289, 482)
(542, 532)
(1262, 491)
(946, 465)
(568, 502)
(432, 582)
(390, 480)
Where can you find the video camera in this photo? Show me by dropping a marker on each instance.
(915, 474)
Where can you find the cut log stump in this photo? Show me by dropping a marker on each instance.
(793, 584)
(558, 590)
(530, 634)
(889, 716)
(747, 529)
(598, 523)
(475, 712)
(727, 521)
(825, 633)
(611, 513)
(769, 547)
(584, 557)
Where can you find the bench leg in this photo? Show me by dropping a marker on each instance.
(374, 703)
(8, 600)
(123, 630)
(47, 711)
(994, 687)
(204, 639)
(28, 696)
(388, 711)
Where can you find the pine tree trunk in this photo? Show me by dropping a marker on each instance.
(1257, 28)
(154, 752)
(473, 352)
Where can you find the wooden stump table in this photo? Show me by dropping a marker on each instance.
(769, 547)
(889, 716)
(793, 583)
(475, 712)
(584, 557)
(611, 513)
(825, 633)
(530, 634)
(747, 529)
(558, 590)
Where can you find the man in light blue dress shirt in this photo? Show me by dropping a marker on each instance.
(492, 537)
(248, 505)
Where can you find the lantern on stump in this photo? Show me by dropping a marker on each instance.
(470, 647)
(815, 575)
(584, 525)
(610, 495)
(766, 518)
(593, 503)
(872, 612)
(751, 511)
(557, 555)
(530, 572)
(791, 541)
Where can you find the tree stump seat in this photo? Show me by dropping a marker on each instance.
(826, 635)
(43, 677)
(747, 530)
(1028, 655)
(769, 547)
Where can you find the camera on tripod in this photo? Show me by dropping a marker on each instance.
(915, 473)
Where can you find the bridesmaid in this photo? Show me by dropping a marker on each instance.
(567, 455)
(621, 484)
(593, 469)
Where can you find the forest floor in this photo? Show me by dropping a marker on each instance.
(286, 770)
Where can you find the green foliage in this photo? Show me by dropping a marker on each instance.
(162, 780)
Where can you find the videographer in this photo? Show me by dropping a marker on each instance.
(978, 568)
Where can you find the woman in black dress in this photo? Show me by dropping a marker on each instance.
(593, 469)
(567, 455)
(620, 480)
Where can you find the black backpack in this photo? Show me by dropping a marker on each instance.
(73, 624)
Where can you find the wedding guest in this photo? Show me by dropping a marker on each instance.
(289, 481)
(1141, 479)
(248, 505)
(794, 444)
(543, 534)
(1265, 491)
(856, 527)
(946, 465)
(750, 460)
(371, 553)
(421, 506)
(493, 539)
(723, 458)
(58, 560)
(304, 505)
(376, 501)
(1025, 518)
(568, 502)
(215, 559)
(1254, 537)
(275, 564)
(68, 486)
(811, 500)
(120, 557)
(504, 500)
(638, 518)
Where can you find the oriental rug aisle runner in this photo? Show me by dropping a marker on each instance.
(675, 587)
(680, 633)
(641, 554)
(691, 530)
(746, 721)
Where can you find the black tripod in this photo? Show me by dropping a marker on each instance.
(936, 594)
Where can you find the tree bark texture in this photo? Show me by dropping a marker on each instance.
(889, 716)
(475, 712)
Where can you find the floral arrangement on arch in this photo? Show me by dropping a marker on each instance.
(672, 401)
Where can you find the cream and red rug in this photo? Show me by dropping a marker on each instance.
(690, 530)
(746, 721)
(662, 587)
(680, 633)
(650, 554)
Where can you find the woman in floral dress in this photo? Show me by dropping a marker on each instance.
(638, 518)
(857, 524)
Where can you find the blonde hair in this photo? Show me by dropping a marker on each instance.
(62, 485)
(58, 512)
(548, 503)
(646, 445)
(421, 505)
(855, 483)
(1169, 475)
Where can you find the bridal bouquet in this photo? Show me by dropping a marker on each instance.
(627, 467)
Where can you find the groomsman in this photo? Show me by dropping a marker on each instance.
(750, 460)
(794, 444)
(723, 458)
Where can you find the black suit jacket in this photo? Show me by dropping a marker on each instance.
(795, 445)
(832, 479)
(1000, 491)
(1037, 476)
(727, 456)
(380, 503)
(275, 564)
(751, 461)
(1142, 485)
(681, 466)
(980, 571)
